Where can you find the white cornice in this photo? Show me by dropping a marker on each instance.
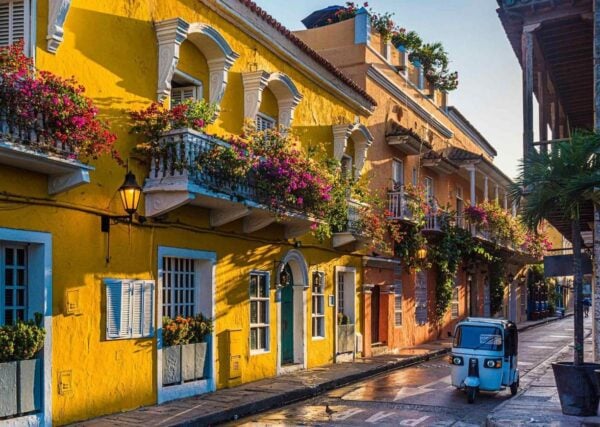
(381, 79)
(241, 17)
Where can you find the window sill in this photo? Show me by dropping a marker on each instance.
(259, 352)
(318, 338)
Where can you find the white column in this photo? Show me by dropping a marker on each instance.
(485, 188)
(472, 188)
(505, 201)
(496, 193)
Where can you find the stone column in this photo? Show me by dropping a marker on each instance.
(512, 300)
(596, 287)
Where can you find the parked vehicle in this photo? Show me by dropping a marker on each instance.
(484, 356)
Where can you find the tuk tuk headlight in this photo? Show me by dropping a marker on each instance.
(455, 360)
(493, 363)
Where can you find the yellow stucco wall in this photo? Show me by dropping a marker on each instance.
(110, 47)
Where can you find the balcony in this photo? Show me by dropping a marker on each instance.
(406, 140)
(398, 206)
(25, 148)
(175, 180)
(353, 231)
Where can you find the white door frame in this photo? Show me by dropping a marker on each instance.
(40, 274)
(299, 268)
(206, 288)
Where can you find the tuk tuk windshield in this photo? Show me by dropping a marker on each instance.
(478, 338)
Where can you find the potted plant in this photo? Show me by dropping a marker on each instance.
(20, 368)
(564, 179)
(185, 348)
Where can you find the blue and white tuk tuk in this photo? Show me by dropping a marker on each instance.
(484, 356)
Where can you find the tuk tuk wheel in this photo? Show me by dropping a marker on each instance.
(471, 392)
(514, 387)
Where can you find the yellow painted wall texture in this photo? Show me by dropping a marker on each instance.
(110, 47)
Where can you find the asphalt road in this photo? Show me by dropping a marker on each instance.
(417, 396)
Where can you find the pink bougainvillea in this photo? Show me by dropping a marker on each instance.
(65, 120)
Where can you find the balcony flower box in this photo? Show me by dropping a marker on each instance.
(21, 368)
(345, 338)
(183, 363)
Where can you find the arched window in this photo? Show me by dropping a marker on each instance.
(214, 48)
(258, 87)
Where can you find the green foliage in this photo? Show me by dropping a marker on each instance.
(434, 60)
(497, 273)
(21, 341)
(410, 40)
(447, 255)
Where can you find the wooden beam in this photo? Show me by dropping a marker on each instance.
(527, 61)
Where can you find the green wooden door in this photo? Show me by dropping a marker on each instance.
(287, 320)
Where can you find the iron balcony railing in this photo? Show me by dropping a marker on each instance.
(178, 159)
(31, 137)
(398, 206)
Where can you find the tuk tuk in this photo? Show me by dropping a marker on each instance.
(484, 356)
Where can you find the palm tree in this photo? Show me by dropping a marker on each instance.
(561, 181)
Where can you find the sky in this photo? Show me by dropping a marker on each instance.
(489, 92)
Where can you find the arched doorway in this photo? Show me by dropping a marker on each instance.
(292, 277)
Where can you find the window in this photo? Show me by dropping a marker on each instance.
(429, 189)
(318, 305)
(179, 281)
(478, 337)
(13, 284)
(454, 300)
(346, 167)
(14, 21)
(397, 173)
(264, 122)
(341, 292)
(415, 177)
(180, 94)
(129, 308)
(184, 87)
(259, 311)
(398, 302)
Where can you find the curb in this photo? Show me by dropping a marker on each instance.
(544, 322)
(306, 392)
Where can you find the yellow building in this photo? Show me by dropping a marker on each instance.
(103, 285)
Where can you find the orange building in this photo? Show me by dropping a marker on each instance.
(418, 139)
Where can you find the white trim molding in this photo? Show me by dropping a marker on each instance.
(362, 139)
(40, 275)
(282, 86)
(57, 15)
(219, 55)
(299, 268)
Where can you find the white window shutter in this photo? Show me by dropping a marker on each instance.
(180, 94)
(13, 21)
(114, 308)
(137, 290)
(263, 122)
(148, 309)
(142, 308)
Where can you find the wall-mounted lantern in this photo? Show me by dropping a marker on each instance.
(422, 253)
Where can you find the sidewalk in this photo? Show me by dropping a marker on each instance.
(233, 403)
(538, 403)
